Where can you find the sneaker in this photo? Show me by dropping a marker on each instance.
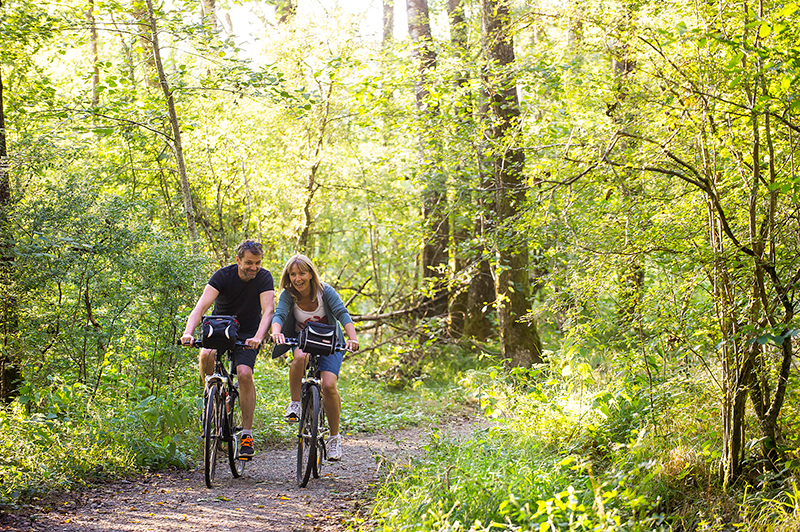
(292, 414)
(246, 451)
(334, 448)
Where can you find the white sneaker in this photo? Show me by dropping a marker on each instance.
(292, 414)
(334, 448)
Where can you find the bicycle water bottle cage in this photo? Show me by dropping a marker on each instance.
(318, 339)
(220, 332)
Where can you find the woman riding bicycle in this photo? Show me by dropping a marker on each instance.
(305, 298)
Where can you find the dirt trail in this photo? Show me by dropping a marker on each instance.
(266, 498)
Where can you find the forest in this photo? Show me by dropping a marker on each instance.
(580, 218)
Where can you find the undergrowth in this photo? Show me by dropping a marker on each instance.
(576, 448)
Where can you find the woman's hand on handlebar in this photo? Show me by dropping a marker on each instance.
(278, 338)
(351, 345)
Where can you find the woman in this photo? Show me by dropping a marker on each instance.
(307, 299)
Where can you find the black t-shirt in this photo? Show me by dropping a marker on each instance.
(239, 298)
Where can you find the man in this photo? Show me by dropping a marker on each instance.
(244, 290)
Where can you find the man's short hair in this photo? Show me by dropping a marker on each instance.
(249, 245)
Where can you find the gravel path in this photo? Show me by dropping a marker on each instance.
(266, 498)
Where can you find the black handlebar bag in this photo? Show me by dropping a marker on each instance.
(318, 338)
(220, 332)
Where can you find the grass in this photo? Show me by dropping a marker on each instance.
(577, 452)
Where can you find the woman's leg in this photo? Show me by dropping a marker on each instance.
(296, 371)
(331, 400)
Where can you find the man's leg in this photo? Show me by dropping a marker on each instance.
(247, 402)
(205, 361)
(247, 395)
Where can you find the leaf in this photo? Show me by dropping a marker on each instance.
(788, 10)
(736, 62)
(765, 30)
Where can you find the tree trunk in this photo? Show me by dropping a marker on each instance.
(434, 194)
(459, 299)
(93, 54)
(480, 297)
(630, 287)
(481, 294)
(209, 14)
(388, 22)
(177, 146)
(9, 363)
(144, 32)
(285, 11)
(519, 339)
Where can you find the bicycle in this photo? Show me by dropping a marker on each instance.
(313, 427)
(221, 418)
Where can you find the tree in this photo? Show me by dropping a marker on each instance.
(520, 340)
(459, 297)
(388, 22)
(730, 141)
(177, 145)
(9, 367)
(434, 193)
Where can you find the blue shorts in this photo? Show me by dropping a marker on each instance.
(332, 363)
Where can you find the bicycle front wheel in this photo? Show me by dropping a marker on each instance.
(322, 433)
(307, 455)
(212, 433)
(234, 420)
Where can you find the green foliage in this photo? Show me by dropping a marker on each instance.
(563, 453)
(71, 442)
(524, 472)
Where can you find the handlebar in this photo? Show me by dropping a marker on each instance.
(294, 342)
(199, 343)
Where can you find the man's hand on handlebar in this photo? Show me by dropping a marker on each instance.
(187, 339)
(252, 343)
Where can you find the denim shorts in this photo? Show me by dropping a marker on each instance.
(332, 363)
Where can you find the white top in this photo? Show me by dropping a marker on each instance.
(302, 317)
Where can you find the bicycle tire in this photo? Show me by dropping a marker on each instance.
(211, 434)
(322, 430)
(234, 429)
(307, 455)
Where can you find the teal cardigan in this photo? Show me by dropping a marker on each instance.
(284, 314)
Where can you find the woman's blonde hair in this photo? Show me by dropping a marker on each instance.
(303, 264)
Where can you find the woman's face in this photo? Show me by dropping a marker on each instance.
(301, 280)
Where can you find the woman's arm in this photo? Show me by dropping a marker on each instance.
(334, 303)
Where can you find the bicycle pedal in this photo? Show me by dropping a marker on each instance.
(244, 458)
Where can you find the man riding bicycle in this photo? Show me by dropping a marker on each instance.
(244, 290)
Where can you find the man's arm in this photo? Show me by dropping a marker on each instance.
(267, 308)
(206, 300)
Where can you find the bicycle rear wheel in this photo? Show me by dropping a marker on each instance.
(234, 424)
(307, 455)
(212, 433)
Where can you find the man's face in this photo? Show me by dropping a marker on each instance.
(248, 265)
